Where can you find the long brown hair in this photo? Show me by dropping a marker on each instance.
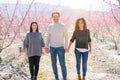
(31, 26)
(77, 23)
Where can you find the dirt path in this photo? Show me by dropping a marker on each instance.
(101, 65)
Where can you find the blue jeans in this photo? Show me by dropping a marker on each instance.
(61, 55)
(84, 56)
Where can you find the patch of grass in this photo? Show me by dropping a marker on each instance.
(42, 75)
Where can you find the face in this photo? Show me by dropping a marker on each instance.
(34, 27)
(55, 17)
(81, 24)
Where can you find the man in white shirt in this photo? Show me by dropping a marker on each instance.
(56, 44)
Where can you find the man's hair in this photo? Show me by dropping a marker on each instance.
(55, 13)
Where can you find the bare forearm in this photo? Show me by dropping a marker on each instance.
(70, 43)
(26, 51)
(90, 46)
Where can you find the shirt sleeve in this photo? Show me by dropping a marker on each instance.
(89, 38)
(66, 38)
(47, 38)
(73, 37)
(26, 42)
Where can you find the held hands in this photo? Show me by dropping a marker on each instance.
(66, 50)
(47, 50)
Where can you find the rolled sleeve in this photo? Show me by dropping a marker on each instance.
(73, 37)
(89, 38)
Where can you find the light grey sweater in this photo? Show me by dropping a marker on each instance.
(34, 42)
(56, 36)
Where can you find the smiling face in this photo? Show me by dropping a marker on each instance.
(81, 24)
(55, 17)
(34, 27)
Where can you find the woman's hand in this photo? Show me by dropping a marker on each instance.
(90, 48)
(26, 57)
(68, 49)
(90, 51)
(26, 54)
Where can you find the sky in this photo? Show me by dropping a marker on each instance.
(96, 5)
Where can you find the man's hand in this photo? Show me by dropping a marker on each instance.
(47, 50)
(66, 50)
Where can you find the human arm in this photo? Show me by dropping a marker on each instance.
(25, 46)
(47, 41)
(89, 42)
(72, 40)
(66, 40)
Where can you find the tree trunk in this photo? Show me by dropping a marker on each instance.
(116, 46)
(0, 60)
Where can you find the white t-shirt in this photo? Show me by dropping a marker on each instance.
(82, 49)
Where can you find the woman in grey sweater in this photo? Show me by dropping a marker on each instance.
(33, 44)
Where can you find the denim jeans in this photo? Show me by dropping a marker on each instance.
(61, 55)
(84, 56)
